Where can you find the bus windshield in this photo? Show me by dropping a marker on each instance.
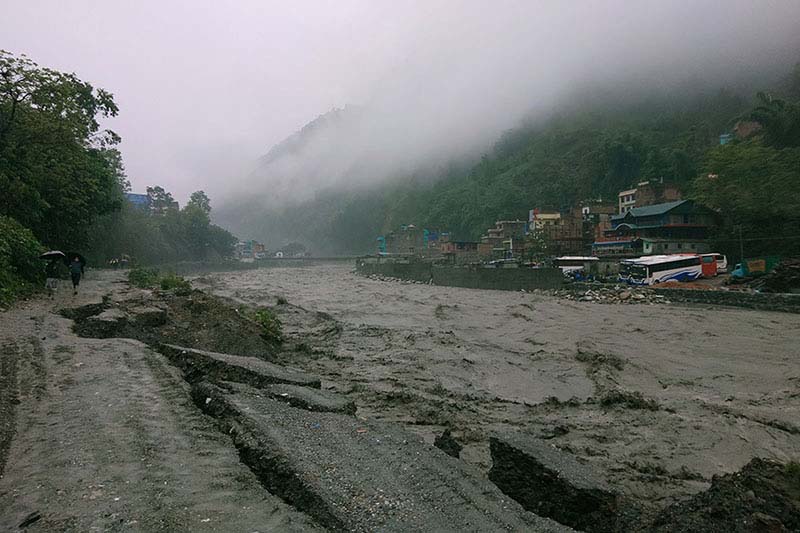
(637, 271)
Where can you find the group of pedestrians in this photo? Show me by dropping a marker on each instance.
(53, 274)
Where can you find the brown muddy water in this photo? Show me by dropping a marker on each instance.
(658, 397)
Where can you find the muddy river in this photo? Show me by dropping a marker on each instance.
(659, 397)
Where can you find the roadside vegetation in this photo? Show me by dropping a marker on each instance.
(151, 278)
(271, 327)
(162, 232)
(21, 271)
(62, 184)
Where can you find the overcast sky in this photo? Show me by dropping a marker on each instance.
(205, 87)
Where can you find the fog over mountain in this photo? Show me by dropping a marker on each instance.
(464, 75)
(206, 90)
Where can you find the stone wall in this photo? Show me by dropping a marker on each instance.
(788, 303)
(509, 279)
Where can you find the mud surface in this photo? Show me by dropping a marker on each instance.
(194, 320)
(663, 404)
(763, 496)
(106, 437)
(658, 398)
(356, 475)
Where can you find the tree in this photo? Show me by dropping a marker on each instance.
(160, 200)
(57, 169)
(200, 200)
(756, 190)
(780, 119)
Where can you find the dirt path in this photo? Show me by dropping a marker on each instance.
(106, 437)
(659, 397)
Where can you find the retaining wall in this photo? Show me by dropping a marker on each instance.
(789, 303)
(507, 279)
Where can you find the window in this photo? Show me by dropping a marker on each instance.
(678, 246)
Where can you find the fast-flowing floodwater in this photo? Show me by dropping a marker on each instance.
(660, 397)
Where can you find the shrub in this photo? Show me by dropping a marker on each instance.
(144, 278)
(21, 270)
(270, 326)
(172, 282)
(150, 278)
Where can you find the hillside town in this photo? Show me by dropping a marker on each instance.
(651, 218)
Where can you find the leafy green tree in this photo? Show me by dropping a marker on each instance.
(20, 267)
(160, 200)
(163, 235)
(780, 119)
(756, 190)
(200, 200)
(58, 171)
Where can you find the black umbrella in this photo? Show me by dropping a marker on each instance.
(52, 255)
(72, 255)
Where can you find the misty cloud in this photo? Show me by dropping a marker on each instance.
(206, 89)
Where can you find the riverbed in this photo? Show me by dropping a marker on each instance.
(658, 397)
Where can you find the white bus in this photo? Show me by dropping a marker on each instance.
(722, 262)
(652, 269)
(570, 263)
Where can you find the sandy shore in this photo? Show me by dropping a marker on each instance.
(717, 386)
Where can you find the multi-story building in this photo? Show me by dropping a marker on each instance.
(627, 200)
(460, 252)
(671, 227)
(407, 240)
(505, 240)
(647, 193)
(596, 219)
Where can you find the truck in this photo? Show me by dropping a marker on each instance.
(756, 266)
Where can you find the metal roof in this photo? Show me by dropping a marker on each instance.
(650, 210)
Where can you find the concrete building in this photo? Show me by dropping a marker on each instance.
(627, 200)
(504, 241)
(647, 193)
(139, 201)
(656, 192)
(596, 219)
(407, 240)
(670, 227)
(460, 252)
(538, 219)
(250, 250)
(562, 232)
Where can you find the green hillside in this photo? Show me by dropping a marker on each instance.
(590, 151)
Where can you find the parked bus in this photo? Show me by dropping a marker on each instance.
(569, 264)
(709, 265)
(652, 269)
(721, 260)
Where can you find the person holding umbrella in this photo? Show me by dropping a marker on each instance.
(52, 270)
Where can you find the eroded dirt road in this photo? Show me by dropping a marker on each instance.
(107, 438)
(659, 397)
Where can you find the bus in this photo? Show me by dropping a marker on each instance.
(569, 264)
(722, 262)
(652, 269)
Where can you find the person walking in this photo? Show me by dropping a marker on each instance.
(75, 271)
(52, 274)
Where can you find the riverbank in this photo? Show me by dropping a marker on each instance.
(658, 397)
(115, 427)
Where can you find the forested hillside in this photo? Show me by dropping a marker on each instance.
(62, 182)
(586, 151)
